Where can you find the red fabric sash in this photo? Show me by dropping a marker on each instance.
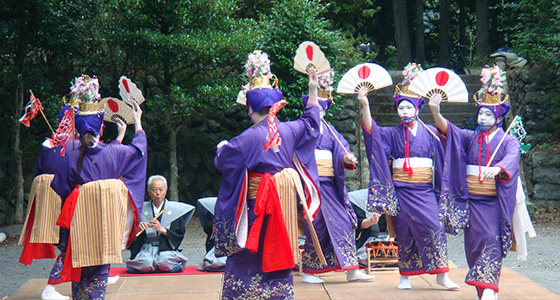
(69, 273)
(277, 252)
(33, 251)
(67, 212)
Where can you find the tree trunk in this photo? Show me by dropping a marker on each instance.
(402, 38)
(18, 160)
(444, 33)
(419, 17)
(462, 22)
(482, 35)
(174, 168)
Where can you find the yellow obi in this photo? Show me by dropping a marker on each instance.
(98, 223)
(486, 188)
(324, 163)
(422, 168)
(288, 185)
(47, 208)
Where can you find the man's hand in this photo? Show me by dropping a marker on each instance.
(142, 226)
(121, 129)
(157, 226)
(362, 96)
(490, 172)
(313, 79)
(350, 159)
(435, 102)
(136, 114)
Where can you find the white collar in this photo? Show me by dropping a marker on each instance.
(158, 209)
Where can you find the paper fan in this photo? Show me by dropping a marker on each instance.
(441, 81)
(370, 75)
(309, 54)
(115, 108)
(129, 90)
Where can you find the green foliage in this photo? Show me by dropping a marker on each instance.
(534, 33)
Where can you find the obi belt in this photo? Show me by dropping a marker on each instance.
(288, 185)
(47, 208)
(422, 166)
(98, 224)
(484, 188)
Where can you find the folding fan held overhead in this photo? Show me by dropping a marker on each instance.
(441, 81)
(370, 75)
(308, 55)
(128, 89)
(115, 108)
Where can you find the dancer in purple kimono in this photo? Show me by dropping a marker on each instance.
(110, 176)
(477, 198)
(248, 220)
(410, 194)
(336, 221)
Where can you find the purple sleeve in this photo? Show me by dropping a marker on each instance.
(134, 163)
(231, 162)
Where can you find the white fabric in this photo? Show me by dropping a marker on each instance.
(415, 162)
(323, 155)
(521, 223)
(474, 170)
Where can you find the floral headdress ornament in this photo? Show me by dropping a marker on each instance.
(257, 69)
(326, 80)
(494, 83)
(410, 72)
(493, 80)
(85, 88)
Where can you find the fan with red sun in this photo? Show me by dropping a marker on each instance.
(128, 89)
(116, 108)
(308, 55)
(441, 81)
(370, 75)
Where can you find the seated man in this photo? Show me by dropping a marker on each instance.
(162, 228)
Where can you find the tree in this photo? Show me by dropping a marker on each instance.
(444, 29)
(419, 33)
(482, 29)
(402, 37)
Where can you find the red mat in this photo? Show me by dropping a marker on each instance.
(189, 270)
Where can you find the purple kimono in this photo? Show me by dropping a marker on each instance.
(244, 277)
(336, 220)
(414, 207)
(486, 219)
(104, 161)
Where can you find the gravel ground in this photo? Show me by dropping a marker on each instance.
(541, 266)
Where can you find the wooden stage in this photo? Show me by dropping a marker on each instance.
(384, 286)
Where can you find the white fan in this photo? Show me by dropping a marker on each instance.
(128, 89)
(242, 95)
(370, 75)
(309, 54)
(442, 81)
(115, 108)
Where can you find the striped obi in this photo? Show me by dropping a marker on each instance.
(324, 163)
(98, 223)
(485, 188)
(47, 208)
(288, 184)
(422, 168)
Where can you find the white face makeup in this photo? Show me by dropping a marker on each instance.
(406, 110)
(486, 117)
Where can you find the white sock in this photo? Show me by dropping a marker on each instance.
(405, 283)
(112, 279)
(310, 278)
(50, 293)
(444, 280)
(488, 294)
(355, 275)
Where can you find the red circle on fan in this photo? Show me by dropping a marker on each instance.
(113, 105)
(309, 51)
(363, 72)
(441, 78)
